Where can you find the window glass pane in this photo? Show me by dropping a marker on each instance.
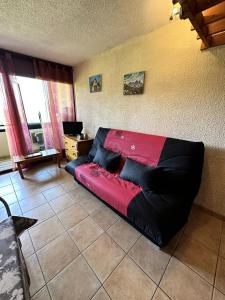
(33, 98)
(34, 101)
(2, 95)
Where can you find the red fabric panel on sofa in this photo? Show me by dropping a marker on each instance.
(144, 148)
(109, 187)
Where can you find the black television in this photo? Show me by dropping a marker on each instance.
(72, 128)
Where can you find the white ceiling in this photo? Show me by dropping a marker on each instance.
(70, 31)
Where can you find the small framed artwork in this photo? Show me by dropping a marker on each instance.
(95, 83)
(133, 83)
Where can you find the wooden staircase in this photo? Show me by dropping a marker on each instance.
(207, 18)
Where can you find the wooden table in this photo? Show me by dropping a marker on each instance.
(19, 160)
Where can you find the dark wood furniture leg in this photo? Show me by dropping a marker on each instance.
(20, 170)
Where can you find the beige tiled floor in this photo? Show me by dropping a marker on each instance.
(81, 249)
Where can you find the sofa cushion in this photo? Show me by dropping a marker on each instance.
(108, 186)
(107, 159)
(145, 176)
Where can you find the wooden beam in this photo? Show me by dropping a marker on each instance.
(216, 27)
(196, 22)
(214, 13)
(205, 4)
(213, 28)
(198, 6)
(207, 18)
(218, 39)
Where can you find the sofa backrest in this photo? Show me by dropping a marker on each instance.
(173, 154)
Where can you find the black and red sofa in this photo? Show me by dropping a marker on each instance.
(175, 167)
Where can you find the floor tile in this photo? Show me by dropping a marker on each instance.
(85, 233)
(217, 295)
(101, 295)
(150, 258)
(91, 204)
(5, 180)
(105, 217)
(32, 202)
(47, 185)
(42, 295)
(197, 257)
(15, 176)
(80, 194)
(56, 255)
(160, 295)
(172, 244)
(72, 216)
(15, 211)
(62, 202)
(69, 185)
(40, 213)
(180, 282)
(103, 256)
(128, 281)
(204, 228)
(27, 192)
(56, 172)
(36, 277)
(44, 177)
(222, 245)
(68, 273)
(27, 246)
(220, 275)
(45, 232)
(5, 190)
(24, 184)
(10, 199)
(76, 279)
(54, 193)
(123, 234)
(74, 195)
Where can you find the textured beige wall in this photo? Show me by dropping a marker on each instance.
(184, 96)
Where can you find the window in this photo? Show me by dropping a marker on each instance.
(34, 103)
(2, 117)
(33, 98)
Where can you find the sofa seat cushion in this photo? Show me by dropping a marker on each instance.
(109, 187)
(75, 163)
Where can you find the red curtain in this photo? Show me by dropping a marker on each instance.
(58, 91)
(16, 124)
(52, 72)
(59, 108)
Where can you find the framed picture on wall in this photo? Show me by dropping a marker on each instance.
(133, 83)
(95, 83)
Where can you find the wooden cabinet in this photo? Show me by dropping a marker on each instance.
(75, 148)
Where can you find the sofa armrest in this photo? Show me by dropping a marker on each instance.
(168, 205)
(163, 214)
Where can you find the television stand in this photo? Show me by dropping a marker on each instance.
(75, 147)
